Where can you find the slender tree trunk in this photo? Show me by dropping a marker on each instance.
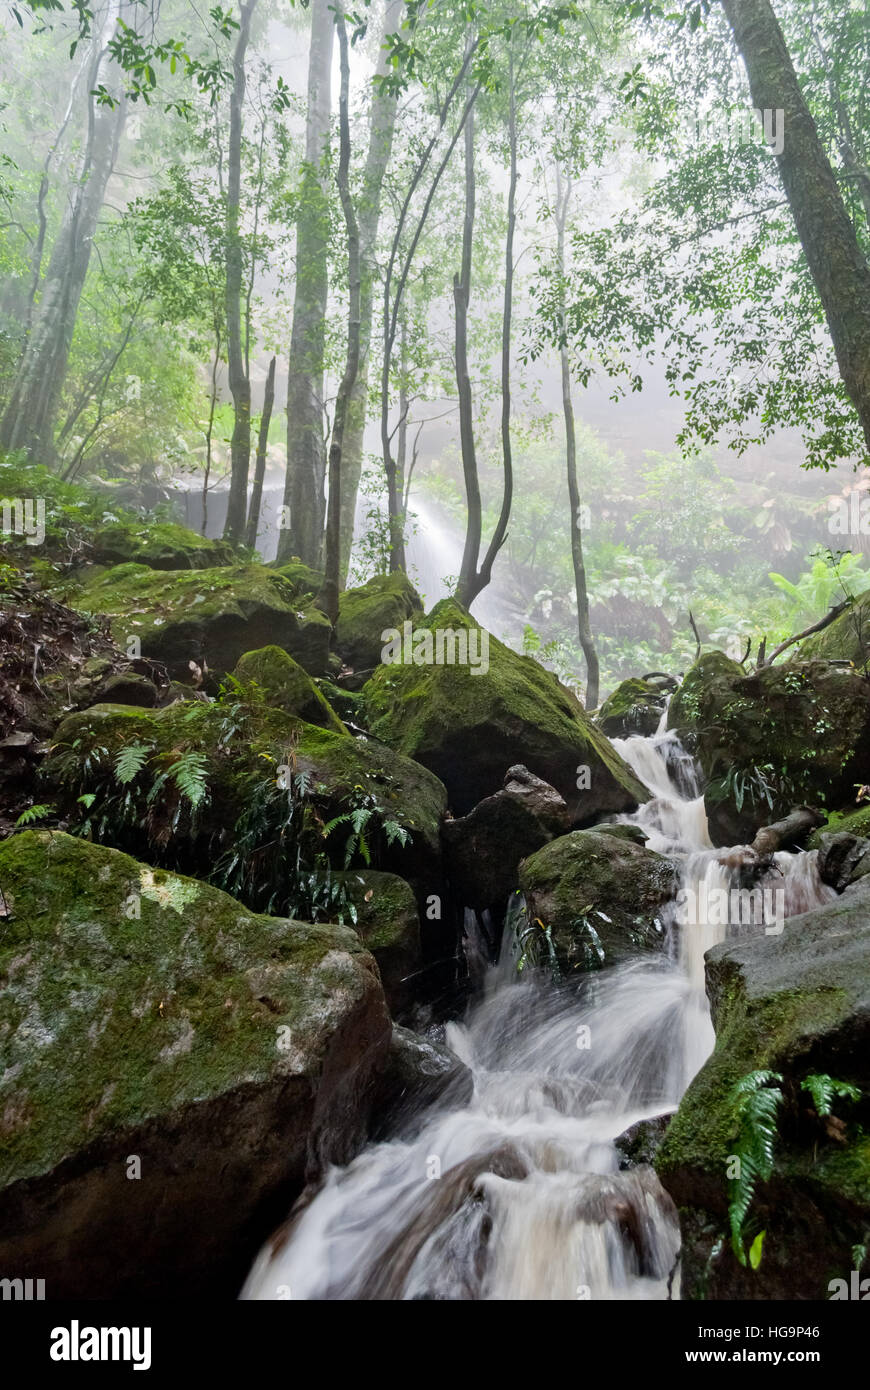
(209, 434)
(838, 265)
(306, 464)
(472, 580)
(29, 418)
(239, 378)
(461, 298)
(327, 599)
(382, 128)
(260, 466)
(584, 630)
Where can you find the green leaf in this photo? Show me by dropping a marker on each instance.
(755, 1250)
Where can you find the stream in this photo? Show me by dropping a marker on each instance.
(518, 1194)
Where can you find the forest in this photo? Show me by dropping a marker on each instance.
(435, 650)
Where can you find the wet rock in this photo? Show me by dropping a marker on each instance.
(272, 675)
(600, 896)
(797, 1005)
(160, 545)
(172, 1075)
(640, 1143)
(418, 1073)
(484, 848)
(209, 617)
(635, 707)
(128, 688)
(389, 926)
(787, 735)
(843, 859)
(470, 724)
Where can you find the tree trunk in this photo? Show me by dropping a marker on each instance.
(327, 599)
(29, 418)
(260, 466)
(383, 123)
(306, 466)
(584, 630)
(471, 579)
(239, 378)
(838, 265)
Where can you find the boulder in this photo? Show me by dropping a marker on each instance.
(635, 707)
(206, 619)
(768, 740)
(600, 896)
(366, 613)
(128, 688)
(797, 1005)
(304, 582)
(272, 675)
(243, 794)
(843, 858)
(471, 721)
(419, 1073)
(484, 848)
(160, 545)
(174, 1069)
(388, 925)
(847, 638)
(638, 1145)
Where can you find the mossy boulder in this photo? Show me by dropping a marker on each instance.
(850, 822)
(601, 897)
(634, 707)
(364, 614)
(209, 617)
(272, 675)
(174, 1068)
(304, 582)
(847, 638)
(767, 740)
(470, 723)
(161, 545)
(389, 926)
(269, 784)
(798, 1005)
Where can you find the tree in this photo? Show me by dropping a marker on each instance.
(239, 376)
(839, 267)
(306, 465)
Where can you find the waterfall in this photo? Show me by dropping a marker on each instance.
(518, 1194)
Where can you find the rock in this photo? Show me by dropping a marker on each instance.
(348, 704)
(389, 926)
(843, 859)
(227, 1056)
(209, 617)
(160, 545)
(246, 830)
(485, 847)
(304, 582)
(364, 614)
(419, 1073)
(802, 727)
(640, 1143)
(855, 821)
(600, 895)
(847, 638)
(272, 675)
(623, 832)
(635, 707)
(797, 1004)
(128, 688)
(470, 724)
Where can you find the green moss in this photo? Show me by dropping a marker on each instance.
(635, 706)
(364, 614)
(853, 822)
(272, 675)
(108, 1018)
(303, 580)
(847, 638)
(159, 545)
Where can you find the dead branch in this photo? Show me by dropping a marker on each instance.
(807, 632)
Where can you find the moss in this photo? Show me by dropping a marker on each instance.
(852, 822)
(108, 1018)
(272, 675)
(634, 707)
(470, 727)
(348, 704)
(212, 616)
(305, 583)
(364, 614)
(159, 545)
(847, 638)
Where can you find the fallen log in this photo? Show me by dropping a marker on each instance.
(793, 827)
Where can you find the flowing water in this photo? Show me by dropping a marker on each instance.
(518, 1193)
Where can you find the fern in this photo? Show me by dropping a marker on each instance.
(824, 1090)
(130, 761)
(189, 775)
(758, 1097)
(33, 814)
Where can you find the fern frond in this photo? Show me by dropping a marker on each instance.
(130, 761)
(189, 775)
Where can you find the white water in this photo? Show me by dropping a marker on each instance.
(518, 1194)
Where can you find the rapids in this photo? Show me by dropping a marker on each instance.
(519, 1193)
